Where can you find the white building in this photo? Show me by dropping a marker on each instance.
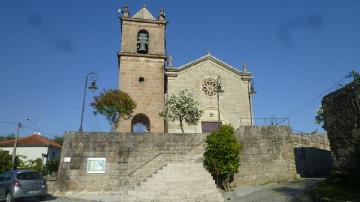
(33, 147)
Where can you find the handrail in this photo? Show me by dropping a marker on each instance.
(158, 154)
(266, 121)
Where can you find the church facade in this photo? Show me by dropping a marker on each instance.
(223, 92)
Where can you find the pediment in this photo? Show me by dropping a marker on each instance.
(206, 59)
(144, 13)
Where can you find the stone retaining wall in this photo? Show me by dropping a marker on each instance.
(128, 158)
(312, 154)
(267, 156)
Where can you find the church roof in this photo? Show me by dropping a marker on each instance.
(144, 13)
(212, 58)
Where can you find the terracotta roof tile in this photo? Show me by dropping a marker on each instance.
(35, 140)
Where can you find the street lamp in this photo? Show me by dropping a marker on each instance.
(251, 92)
(93, 77)
(218, 90)
(19, 125)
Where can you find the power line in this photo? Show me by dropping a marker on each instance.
(8, 122)
(348, 75)
(23, 126)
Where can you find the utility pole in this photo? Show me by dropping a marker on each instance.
(19, 125)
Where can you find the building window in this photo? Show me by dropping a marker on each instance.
(141, 80)
(209, 87)
(143, 42)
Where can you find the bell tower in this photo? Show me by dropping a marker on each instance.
(141, 69)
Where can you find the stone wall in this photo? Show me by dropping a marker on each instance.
(312, 154)
(267, 155)
(341, 116)
(129, 158)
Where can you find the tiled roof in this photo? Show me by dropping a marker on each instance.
(32, 140)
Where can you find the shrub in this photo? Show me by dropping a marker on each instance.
(5, 161)
(222, 155)
(53, 166)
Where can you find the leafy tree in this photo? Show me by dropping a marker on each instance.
(319, 116)
(222, 155)
(7, 137)
(182, 107)
(114, 105)
(59, 139)
(5, 161)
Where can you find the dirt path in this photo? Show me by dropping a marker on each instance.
(284, 192)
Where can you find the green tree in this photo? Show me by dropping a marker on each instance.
(59, 139)
(5, 161)
(182, 107)
(7, 137)
(222, 155)
(114, 105)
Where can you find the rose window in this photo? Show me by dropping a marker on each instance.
(209, 87)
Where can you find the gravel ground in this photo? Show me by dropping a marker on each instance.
(283, 192)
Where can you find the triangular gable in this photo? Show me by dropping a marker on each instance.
(211, 58)
(144, 13)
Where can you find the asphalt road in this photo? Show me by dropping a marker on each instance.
(282, 192)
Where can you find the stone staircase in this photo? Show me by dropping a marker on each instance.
(184, 179)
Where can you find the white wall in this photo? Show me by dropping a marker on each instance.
(31, 153)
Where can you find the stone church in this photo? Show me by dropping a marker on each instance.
(223, 91)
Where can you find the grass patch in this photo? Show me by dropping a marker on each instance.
(347, 189)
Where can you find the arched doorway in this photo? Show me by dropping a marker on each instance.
(140, 123)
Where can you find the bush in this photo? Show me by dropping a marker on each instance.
(31, 164)
(5, 161)
(52, 166)
(222, 155)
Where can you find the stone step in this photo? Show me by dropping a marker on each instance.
(171, 185)
(175, 199)
(175, 194)
(182, 179)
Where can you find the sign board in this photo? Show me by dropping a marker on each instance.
(96, 165)
(67, 159)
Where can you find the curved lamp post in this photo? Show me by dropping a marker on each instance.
(218, 90)
(251, 92)
(93, 77)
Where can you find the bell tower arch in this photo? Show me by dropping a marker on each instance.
(141, 65)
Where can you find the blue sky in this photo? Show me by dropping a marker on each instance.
(297, 50)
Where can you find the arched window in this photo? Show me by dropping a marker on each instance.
(140, 123)
(143, 42)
